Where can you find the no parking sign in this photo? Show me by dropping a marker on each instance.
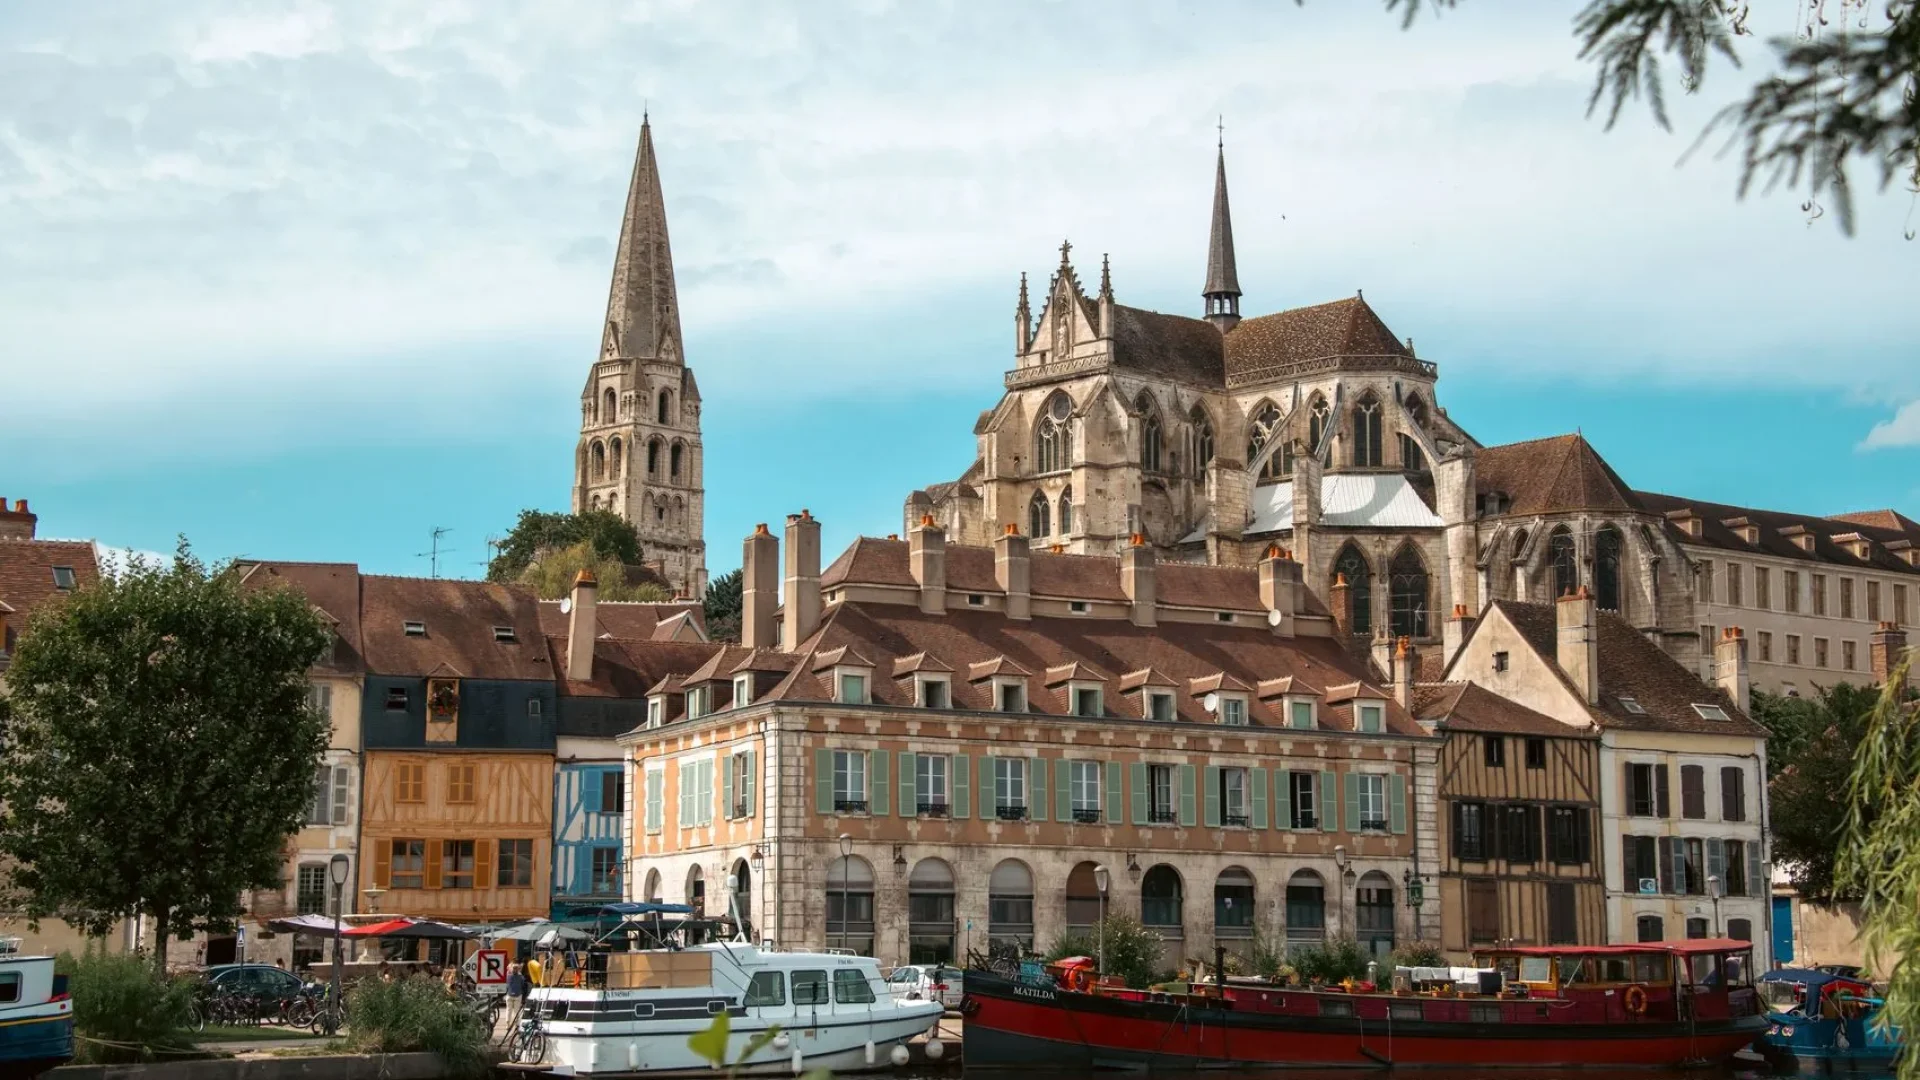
(490, 967)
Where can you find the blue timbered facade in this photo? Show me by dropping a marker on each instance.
(588, 801)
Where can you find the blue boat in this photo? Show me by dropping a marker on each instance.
(1820, 1023)
(36, 1017)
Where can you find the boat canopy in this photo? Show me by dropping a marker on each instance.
(628, 909)
(1692, 947)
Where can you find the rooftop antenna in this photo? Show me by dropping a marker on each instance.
(493, 551)
(1221, 128)
(433, 553)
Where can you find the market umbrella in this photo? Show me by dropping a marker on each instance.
(535, 929)
(409, 928)
(322, 925)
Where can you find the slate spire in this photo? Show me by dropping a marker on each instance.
(643, 307)
(1222, 291)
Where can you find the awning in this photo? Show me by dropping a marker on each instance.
(534, 930)
(322, 925)
(409, 928)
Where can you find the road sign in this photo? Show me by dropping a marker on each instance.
(490, 967)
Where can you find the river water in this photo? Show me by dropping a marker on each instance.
(1729, 1073)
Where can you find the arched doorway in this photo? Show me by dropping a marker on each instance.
(650, 892)
(697, 891)
(1306, 910)
(1083, 899)
(850, 905)
(930, 918)
(1373, 913)
(1160, 902)
(1233, 903)
(742, 892)
(1352, 565)
(1010, 905)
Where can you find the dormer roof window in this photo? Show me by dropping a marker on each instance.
(1856, 545)
(1085, 699)
(743, 690)
(1743, 528)
(1688, 521)
(656, 710)
(504, 635)
(933, 691)
(414, 628)
(1711, 712)
(63, 578)
(1799, 536)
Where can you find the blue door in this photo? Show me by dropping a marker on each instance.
(1783, 930)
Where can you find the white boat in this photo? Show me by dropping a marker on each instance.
(612, 1012)
(36, 1016)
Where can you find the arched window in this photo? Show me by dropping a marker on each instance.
(1066, 511)
(1306, 909)
(610, 412)
(1366, 432)
(850, 905)
(1202, 455)
(1267, 425)
(1317, 415)
(1053, 438)
(1353, 566)
(1650, 928)
(653, 457)
(1010, 904)
(1519, 542)
(666, 406)
(930, 920)
(1373, 913)
(1233, 903)
(1083, 898)
(651, 891)
(1411, 458)
(1607, 546)
(1407, 594)
(673, 462)
(1038, 524)
(1416, 411)
(697, 890)
(1160, 901)
(1150, 445)
(1566, 567)
(742, 890)
(613, 455)
(599, 460)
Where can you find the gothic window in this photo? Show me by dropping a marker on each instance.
(1267, 425)
(1037, 517)
(613, 466)
(610, 412)
(1317, 414)
(1411, 459)
(1150, 444)
(1417, 411)
(1607, 544)
(653, 457)
(1053, 439)
(1366, 432)
(673, 461)
(1407, 594)
(1353, 566)
(599, 460)
(1202, 440)
(666, 406)
(1066, 511)
(1560, 552)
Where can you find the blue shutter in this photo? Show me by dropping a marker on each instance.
(1397, 803)
(1282, 801)
(1211, 775)
(1329, 800)
(1257, 797)
(879, 786)
(961, 785)
(1186, 796)
(1756, 878)
(909, 778)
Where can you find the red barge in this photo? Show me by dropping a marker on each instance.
(1655, 1005)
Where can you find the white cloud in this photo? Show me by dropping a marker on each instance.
(1902, 429)
(116, 560)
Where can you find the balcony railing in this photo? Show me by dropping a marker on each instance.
(1159, 816)
(1236, 821)
(935, 809)
(1306, 821)
(1086, 817)
(1011, 813)
(742, 808)
(849, 806)
(1373, 824)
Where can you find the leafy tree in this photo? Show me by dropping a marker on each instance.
(610, 535)
(1839, 94)
(723, 607)
(160, 749)
(1132, 951)
(551, 574)
(1810, 756)
(1881, 857)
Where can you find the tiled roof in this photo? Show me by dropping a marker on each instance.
(1340, 328)
(1465, 706)
(1890, 520)
(1173, 346)
(26, 577)
(626, 669)
(622, 619)
(333, 588)
(459, 639)
(1776, 530)
(1544, 476)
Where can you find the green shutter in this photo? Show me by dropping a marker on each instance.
(1329, 800)
(1138, 778)
(747, 785)
(686, 797)
(1186, 795)
(961, 785)
(726, 786)
(1063, 791)
(879, 786)
(822, 781)
(1036, 789)
(1397, 803)
(1210, 775)
(1115, 799)
(1257, 797)
(909, 776)
(1353, 804)
(1282, 811)
(989, 804)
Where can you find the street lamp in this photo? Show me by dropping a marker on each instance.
(1713, 890)
(336, 873)
(846, 864)
(1100, 883)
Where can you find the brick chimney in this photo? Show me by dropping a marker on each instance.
(1012, 568)
(17, 523)
(1578, 643)
(927, 559)
(583, 625)
(1730, 666)
(1406, 668)
(1340, 599)
(1280, 582)
(1886, 648)
(1136, 579)
(760, 589)
(800, 616)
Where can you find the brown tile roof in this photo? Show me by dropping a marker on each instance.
(1631, 666)
(1777, 528)
(1545, 476)
(1134, 680)
(1173, 346)
(1890, 520)
(868, 561)
(333, 588)
(1346, 327)
(622, 619)
(1464, 706)
(459, 639)
(26, 578)
(626, 669)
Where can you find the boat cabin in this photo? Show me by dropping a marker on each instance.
(1705, 979)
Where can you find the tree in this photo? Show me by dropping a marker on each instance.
(551, 574)
(1881, 858)
(1132, 951)
(723, 606)
(1840, 93)
(611, 536)
(159, 749)
(1809, 758)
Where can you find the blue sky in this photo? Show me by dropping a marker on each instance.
(304, 280)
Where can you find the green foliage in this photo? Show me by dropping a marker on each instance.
(160, 749)
(610, 536)
(1339, 959)
(1267, 957)
(723, 604)
(1880, 860)
(1414, 954)
(552, 572)
(412, 1015)
(1810, 750)
(123, 1009)
(711, 1045)
(1132, 951)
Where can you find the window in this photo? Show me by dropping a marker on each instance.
(1264, 429)
(1150, 444)
(409, 783)
(414, 628)
(1846, 598)
(1352, 566)
(1159, 705)
(1691, 875)
(1793, 648)
(656, 799)
(850, 781)
(930, 784)
(1407, 595)
(742, 690)
(1202, 455)
(613, 792)
(697, 702)
(1366, 433)
(321, 812)
(1536, 753)
(1493, 749)
(514, 867)
(1039, 516)
(1740, 929)
(310, 889)
(1641, 795)
(1160, 795)
(1819, 591)
(1607, 548)
(1470, 830)
(1372, 789)
(1012, 696)
(1899, 613)
(696, 793)
(320, 698)
(1762, 589)
(535, 709)
(1631, 705)
(766, 988)
(456, 864)
(1233, 797)
(741, 766)
(1303, 799)
(674, 454)
(1766, 646)
(1372, 717)
(503, 635)
(1500, 660)
(1706, 580)
(1641, 863)
(1086, 701)
(1520, 833)
(1569, 835)
(933, 693)
(1010, 788)
(1820, 652)
(1233, 711)
(1223, 616)
(396, 699)
(1300, 715)
(853, 689)
(409, 867)
(1733, 793)
(604, 871)
(1565, 562)
(1693, 792)
(1084, 790)
(1708, 635)
(1873, 601)
(1790, 590)
(656, 712)
(810, 988)
(1650, 928)
(1053, 439)
(1847, 656)
(1733, 880)
(1696, 928)
(63, 578)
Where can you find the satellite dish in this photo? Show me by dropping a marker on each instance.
(1212, 702)
(1274, 618)
(566, 604)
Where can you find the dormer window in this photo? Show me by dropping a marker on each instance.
(63, 578)
(1632, 705)
(850, 687)
(1084, 699)
(656, 711)
(742, 691)
(397, 699)
(933, 692)
(1233, 710)
(1370, 716)
(1711, 712)
(1160, 705)
(1300, 713)
(1079, 607)
(502, 634)
(413, 628)
(1223, 616)
(1010, 695)
(975, 599)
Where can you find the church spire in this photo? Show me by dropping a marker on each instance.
(643, 308)
(1222, 291)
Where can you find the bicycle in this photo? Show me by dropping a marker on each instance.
(528, 1043)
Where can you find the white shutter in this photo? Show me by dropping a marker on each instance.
(342, 793)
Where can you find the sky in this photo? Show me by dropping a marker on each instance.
(303, 280)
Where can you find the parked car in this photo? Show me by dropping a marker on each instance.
(928, 982)
(262, 982)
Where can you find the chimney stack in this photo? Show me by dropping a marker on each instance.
(1013, 570)
(1340, 600)
(583, 626)
(1306, 498)
(1730, 666)
(801, 614)
(927, 558)
(759, 589)
(17, 523)
(1458, 629)
(1886, 648)
(1280, 581)
(1406, 666)
(1136, 579)
(1578, 643)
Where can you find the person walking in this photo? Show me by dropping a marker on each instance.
(517, 986)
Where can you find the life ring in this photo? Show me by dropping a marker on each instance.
(1636, 1000)
(1080, 980)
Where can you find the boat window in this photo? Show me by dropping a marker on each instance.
(716, 1006)
(1650, 968)
(850, 987)
(810, 988)
(1335, 1007)
(1782, 996)
(1573, 969)
(643, 1010)
(1405, 1010)
(10, 986)
(1704, 970)
(1483, 1013)
(1616, 969)
(1736, 969)
(767, 988)
(1536, 969)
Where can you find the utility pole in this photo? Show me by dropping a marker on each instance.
(433, 554)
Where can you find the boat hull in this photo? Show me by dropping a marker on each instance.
(32, 1045)
(838, 1043)
(1015, 1025)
